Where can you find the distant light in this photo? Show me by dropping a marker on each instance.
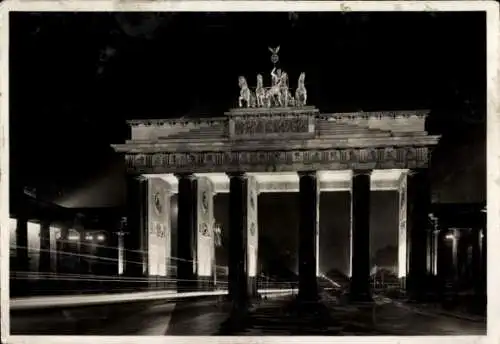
(449, 237)
(73, 237)
(101, 237)
(481, 235)
(89, 237)
(335, 284)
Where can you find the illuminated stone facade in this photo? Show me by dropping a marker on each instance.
(331, 142)
(246, 147)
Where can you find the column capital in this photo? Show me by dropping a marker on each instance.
(45, 223)
(189, 176)
(361, 173)
(134, 176)
(240, 175)
(417, 171)
(310, 174)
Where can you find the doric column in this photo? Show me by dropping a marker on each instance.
(252, 235)
(45, 249)
(308, 231)
(22, 244)
(360, 203)
(428, 252)
(435, 251)
(476, 258)
(186, 232)
(402, 226)
(19, 286)
(455, 253)
(205, 234)
(137, 216)
(54, 234)
(238, 240)
(81, 245)
(419, 197)
(442, 264)
(62, 249)
(121, 251)
(483, 248)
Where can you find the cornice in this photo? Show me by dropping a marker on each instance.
(377, 114)
(174, 121)
(267, 145)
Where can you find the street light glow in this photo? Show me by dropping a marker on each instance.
(73, 237)
(449, 236)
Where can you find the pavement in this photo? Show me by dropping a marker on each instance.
(434, 309)
(270, 317)
(149, 319)
(403, 320)
(337, 318)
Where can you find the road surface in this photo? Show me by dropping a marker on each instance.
(275, 316)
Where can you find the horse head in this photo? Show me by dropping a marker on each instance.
(284, 79)
(302, 78)
(242, 82)
(260, 80)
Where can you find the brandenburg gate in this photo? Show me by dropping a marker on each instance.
(274, 142)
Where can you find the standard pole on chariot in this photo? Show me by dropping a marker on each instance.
(274, 55)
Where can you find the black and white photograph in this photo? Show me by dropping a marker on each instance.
(245, 171)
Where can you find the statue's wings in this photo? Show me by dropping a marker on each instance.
(275, 50)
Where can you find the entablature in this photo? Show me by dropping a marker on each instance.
(279, 139)
(402, 157)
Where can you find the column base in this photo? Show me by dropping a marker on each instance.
(152, 283)
(240, 302)
(308, 290)
(307, 297)
(133, 285)
(359, 293)
(159, 283)
(416, 288)
(205, 283)
(236, 322)
(252, 287)
(186, 284)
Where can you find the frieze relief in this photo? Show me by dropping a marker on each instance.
(272, 125)
(408, 157)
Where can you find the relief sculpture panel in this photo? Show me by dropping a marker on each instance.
(281, 160)
(257, 125)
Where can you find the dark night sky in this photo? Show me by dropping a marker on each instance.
(76, 78)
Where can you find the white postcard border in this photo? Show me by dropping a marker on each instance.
(493, 153)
